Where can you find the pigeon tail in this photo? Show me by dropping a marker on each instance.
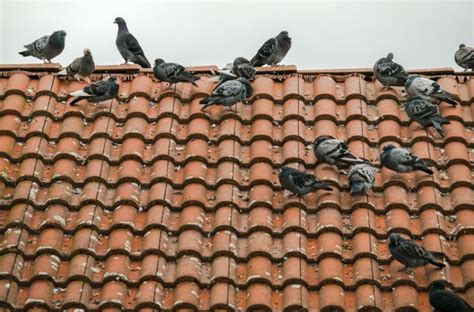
(447, 97)
(321, 186)
(351, 159)
(211, 100)
(437, 122)
(433, 261)
(73, 102)
(80, 93)
(63, 72)
(143, 62)
(256, 61)
(421, 166)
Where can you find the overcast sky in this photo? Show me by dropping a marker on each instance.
(343, 34)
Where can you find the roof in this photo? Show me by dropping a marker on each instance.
(152, 203)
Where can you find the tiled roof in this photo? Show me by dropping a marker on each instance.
(151, 203)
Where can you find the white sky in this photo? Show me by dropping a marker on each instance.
(342, 34)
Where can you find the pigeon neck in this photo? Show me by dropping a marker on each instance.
(122, 28)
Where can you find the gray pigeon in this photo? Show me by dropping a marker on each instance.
(361, 179)
(425, 113)
(300, 183)
(429, 90)
(97, 92)
(408, 253)
(128, 45)
(229, 93)
(172, 72)
(81, 67)
(401, 160)
(464, 57)
(46, 47)
(332, 151)
(273, 50)
(390, 73)
(446, 301)
(241, 67)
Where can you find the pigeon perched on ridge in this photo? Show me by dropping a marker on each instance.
(443, 300)
(411, 255)
(46, 47)
(229, 93)
(97, 92)
(273, 50)
(241, 67)
(300, 183)
(401, 160)
(361, 179)
(332, 151)
(390, 73)
(128, 45)
(81, 67)
(425, 113)
(429, 90)
(172, 72)
(464, 57)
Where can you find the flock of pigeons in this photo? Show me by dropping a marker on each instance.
(234, 86)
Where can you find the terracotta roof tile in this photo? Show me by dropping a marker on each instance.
(150, 203)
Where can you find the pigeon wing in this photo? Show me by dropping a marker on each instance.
(411, 249)
(228, 88)
(172, 70)
(97, 88)
(267, 48)
(303, 179)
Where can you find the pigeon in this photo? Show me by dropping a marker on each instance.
(300, 183)
(390, 73)
(408, 253)
(97, 92)
(361, 179)
(128, 45)
(446, 301)
(429, 90)
(464, 57)
(401, 160)
(332, 151)
(241, 67)
(425, 113)
(273, 50)
(46, 47)
(172, 72)
(81, 67)
(229, 93)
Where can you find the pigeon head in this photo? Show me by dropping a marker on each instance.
(321, 139)
(388, 147)
(120, 21)
(60, 34)
(287, 169)
(87, 52)
(283, 36)
(241, 60)
(390, 56)
(112, 79)
(437, 285)
(394, 239)
(159, 61)
(462, 45)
